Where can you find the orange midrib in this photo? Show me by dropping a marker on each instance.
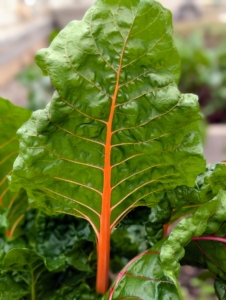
(104, 236)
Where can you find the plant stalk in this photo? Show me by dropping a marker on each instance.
(32, 286)
(210, 238)
(103, 247)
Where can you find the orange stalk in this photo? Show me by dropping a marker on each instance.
(103, 247)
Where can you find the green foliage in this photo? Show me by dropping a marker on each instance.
(143, 277)
(200, 234)
(12, 205)
(220, 288)
(62, 162)
(119, 140)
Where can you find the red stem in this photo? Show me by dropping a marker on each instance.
(165, 227)
(210, 238)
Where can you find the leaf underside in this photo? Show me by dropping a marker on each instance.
(117, 132)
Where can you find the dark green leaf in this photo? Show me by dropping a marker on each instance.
(10, 290)
(220, 288)
(82, 292)
(185, 200)
(29, 265)
(206, 254)
(160, 215)
(56, 236)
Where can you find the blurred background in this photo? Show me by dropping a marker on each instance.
(200, 35)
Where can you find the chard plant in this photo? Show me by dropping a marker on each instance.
(118, 146)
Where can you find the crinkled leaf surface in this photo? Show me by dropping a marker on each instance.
(143, 279)
(117, 132)
(83, 292)
(13, 205)
(208, 222)
(184, 200)
(57, 237)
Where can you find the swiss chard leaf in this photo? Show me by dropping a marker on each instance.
(205, 228)
(143, 279)
(83, 292)
(9, 289)
(63, 148)
(184, 200)
(118, 132)
(27, 263)
(220, 288)
(57, 237)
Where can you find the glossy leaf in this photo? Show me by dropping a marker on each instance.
(83, 292)
(220, 288)
(118, 132)
(159, 216)
(64, 239)
(62, 155)
(25, 261)
(202, 253)
(206, 224)
(184, 200)
(143, 279)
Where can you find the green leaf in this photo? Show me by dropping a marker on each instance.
(10, 290)
(58, 237)
(143, 279)
(185, 200)
(28, 268)
(11, 118)
(203, 254)
(13, 205)
(126, 243)
(117, 133)
(16, 215)
(28, 260)
(220, 288)
(83, 292)
(160, 215)
(114, 83)
(205, 228)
